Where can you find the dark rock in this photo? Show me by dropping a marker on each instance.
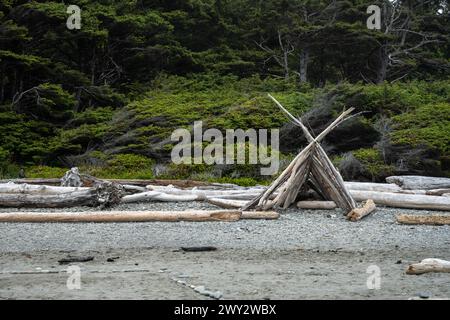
(71, 259)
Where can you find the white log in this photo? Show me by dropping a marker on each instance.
(419, 182)
(324, 205)
(435, 219)
(37, 189)
(429, 265)
(371, 186)
(159, 196)
(359, 213)
(204, 192)
(71, 199)
(400, 200)
(438, 192)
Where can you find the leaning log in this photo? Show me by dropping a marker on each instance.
(429, 265)
(400, 200)
(324, 205)
(64, 200)
(419, 182)
(226, 203)
(359, 213)
(122, 216)
(435, 220)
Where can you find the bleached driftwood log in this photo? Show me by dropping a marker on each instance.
(226, 203)
(135, 216)
(372, 186)
(135, 182)
(71, 199)
(37, 189)
(207, 192)
(400, 200)
(72, 178)
(419, 182)
(122, 216)
(437, 192)
(435, 219)
(48, 182)
(324, 205)
(359, 213)
(159, 196)
(429, 265)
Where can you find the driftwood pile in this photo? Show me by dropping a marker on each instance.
(310, 165)
(227, 196)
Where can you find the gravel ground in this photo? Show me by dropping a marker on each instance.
(308, 229)
(311, 254)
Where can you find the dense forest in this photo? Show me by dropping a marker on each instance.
(107, 96)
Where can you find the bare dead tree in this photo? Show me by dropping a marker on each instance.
(280, 54)
(401, 43)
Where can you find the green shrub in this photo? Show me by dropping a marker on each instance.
(45, 172)
(123, 166)
(373, 163)
(428, 124)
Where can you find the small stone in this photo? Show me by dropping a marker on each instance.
(216, 295)
(424, 295)
(399, 262)
(200, 289)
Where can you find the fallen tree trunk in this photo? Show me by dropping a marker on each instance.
(206, 192)
(122, 216)
(437, 192)
(37, 189)
(436, 220)
(64, 200)
(49, 182)
(400, 200)
(136, 216)
(419, 182)
(372, 186)
(429, 265)
(225, 203)
(324, 205)
(136, 182)
(159, 196)
(359, 213)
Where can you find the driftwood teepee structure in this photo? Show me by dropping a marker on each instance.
(311, 164)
